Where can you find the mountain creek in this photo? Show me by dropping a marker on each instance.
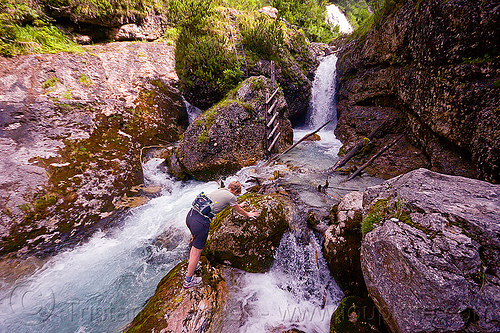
(102, 157)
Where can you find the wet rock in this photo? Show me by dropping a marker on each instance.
(431, 263)
(356, 315)
(437, 84)
(342, 245)
(245, 243)
(232, 134)
(72, 129)
(175, 309)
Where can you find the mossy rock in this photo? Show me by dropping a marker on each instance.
(245, 243)
(232, 134)
(174, 309)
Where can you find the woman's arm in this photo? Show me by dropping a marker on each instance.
(244, 212)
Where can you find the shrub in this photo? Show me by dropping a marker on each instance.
(106, 8)
(190, 15)
(247, 5)
(203, 60)
(310, 15)
(263, 36)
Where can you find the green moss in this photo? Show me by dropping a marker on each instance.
(68, 94)
(85, 80)
(45, 201)
(50, 82)
(203, 138)
(369, 222)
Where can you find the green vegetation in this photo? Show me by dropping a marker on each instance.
(51, 82)
(68, 94)
(106, 8)
(85, 80)
(383, 210)
(24, 28)
(365, 15)
(310, 15)
(264, 37)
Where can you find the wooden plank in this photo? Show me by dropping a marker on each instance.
(272, 96)
(270, 123)
(383, 150)
(305, 137)
(340, 163)
(274, 142)
(273, 131)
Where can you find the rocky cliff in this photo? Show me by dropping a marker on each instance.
(428, 256)
(430, 69)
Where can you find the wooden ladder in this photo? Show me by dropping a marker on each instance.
(272, 121)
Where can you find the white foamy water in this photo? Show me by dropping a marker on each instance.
(336, 18)
(298, 292)
(191, 110)
(322, 106)
(101, 285)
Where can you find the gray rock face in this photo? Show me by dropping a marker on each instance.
(232, 134)
(420, 69)
(432, 264)
(71, 127)
(342, 244)
(151, 28)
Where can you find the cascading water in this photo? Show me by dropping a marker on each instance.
(101, 285)
(323, 105)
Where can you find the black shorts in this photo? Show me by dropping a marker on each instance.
(198, 225)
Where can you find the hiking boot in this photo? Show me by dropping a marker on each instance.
(195, 281)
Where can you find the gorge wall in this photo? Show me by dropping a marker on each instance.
(430, 69)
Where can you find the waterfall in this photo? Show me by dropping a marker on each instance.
(191, 110)
(336, 18)
(323, 104)
(298, 292)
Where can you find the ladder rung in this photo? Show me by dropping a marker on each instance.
(272, 132)
(274, 142)
(272, 107)
(272, 120)
(272, 96)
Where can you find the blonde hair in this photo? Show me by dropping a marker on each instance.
(235, 186)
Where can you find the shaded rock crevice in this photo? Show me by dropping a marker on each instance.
(442, 83)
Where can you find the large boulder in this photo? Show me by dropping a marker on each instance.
(245, 243)
(73, 126)
(173, 309)
(419, 70)
(232, 134)
(432, 261)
